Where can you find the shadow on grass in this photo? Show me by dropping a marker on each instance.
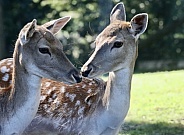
(136, 128)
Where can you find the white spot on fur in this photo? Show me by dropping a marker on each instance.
(54, 88)
(89, 103)
(42, 98)
(4, 69)
(55, 101)
(54, 95)
(89, 91)
(62, 90)
(84, 86)
(90, 83)
(72, 96)
(45, 106)
(77, 103)
(81, 110)
(49, 91)
(48, 110)
(5, 77)
(67, 94)
(47, 84)
(50, 100)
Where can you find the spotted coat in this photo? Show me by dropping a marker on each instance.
(61, 105)
(6, 69)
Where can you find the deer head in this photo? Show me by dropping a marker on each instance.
(37, 54)
(116, 46)
(41, 53)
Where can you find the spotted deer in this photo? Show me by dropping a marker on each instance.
(37, 54)
(92, 107)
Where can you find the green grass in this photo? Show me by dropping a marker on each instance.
(157, 104)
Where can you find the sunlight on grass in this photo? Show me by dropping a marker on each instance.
(157, 104)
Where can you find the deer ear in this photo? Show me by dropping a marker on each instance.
(56, 25)
(139, 24)
(118, 13)
(27, 32)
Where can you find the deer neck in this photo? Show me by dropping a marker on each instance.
(26, 89)
(24, 99)
(117, 94)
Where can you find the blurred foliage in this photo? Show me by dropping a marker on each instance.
(164, 38)
(16, 14)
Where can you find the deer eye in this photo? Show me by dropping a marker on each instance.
(44, 51)
(118, 44)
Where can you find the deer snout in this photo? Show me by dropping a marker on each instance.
(86, 70)
(77, 76)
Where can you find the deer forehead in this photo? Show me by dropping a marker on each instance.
(113, 31)
(44, 36)
(47, 35)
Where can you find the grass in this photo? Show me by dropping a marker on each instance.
(157, 104)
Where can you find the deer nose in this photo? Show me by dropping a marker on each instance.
(76, 75)
(86, 70)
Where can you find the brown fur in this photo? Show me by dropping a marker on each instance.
(55, 101)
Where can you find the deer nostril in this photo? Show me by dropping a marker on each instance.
(86, 73)
(78, 78)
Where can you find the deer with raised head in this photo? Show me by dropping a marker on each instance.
(93, 107)
(115, 53)
(37, 54)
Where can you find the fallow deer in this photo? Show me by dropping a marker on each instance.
(93, 107)
(37, 54)
(115, 53)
